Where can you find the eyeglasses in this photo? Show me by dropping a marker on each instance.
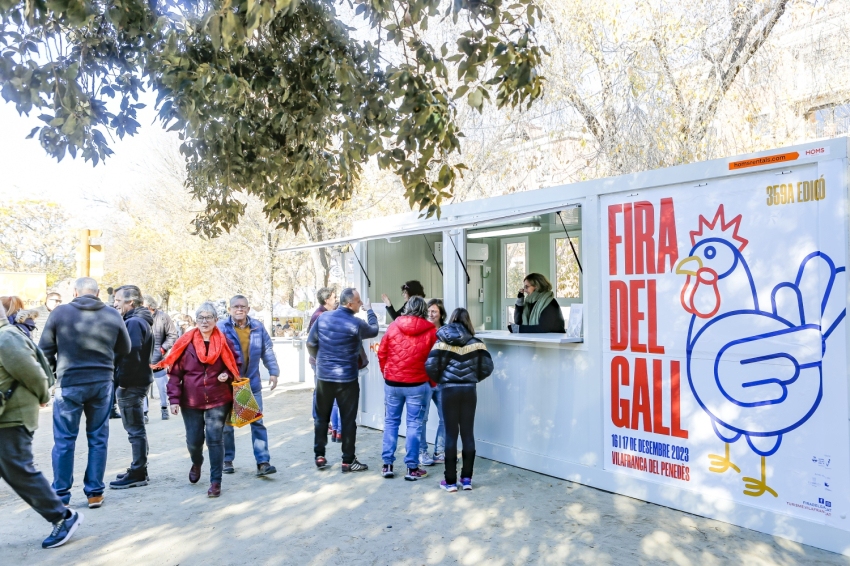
(205, 318)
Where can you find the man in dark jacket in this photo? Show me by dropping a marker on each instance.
(134, 375)
(335, 341)
(251, 342)
(24, 379)
(81, 340)
(164, 336)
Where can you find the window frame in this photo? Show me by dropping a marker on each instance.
(553, 266)
(506, 302)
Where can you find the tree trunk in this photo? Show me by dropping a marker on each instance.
(270, 255)
(320, 256)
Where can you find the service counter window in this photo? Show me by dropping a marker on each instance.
(536, 244)
(393, 261)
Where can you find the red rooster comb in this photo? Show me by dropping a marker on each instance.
(711, 229)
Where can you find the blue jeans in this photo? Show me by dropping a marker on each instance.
(206, 425)
(161, 379)
(69, 404)
(336, 423)
(395, 400)
(259, 438)
(440, 440)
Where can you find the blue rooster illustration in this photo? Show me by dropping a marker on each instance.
(757, 373)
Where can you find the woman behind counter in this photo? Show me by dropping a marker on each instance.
(537, 310)
(201, 368)
(410, 289)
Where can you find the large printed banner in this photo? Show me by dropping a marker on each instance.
(725, 350)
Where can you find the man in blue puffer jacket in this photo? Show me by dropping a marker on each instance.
(335, 341)
(251, 343)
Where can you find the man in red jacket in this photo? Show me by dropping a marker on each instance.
(402, 354)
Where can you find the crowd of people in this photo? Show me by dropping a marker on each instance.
(106, 354)
(102, 354)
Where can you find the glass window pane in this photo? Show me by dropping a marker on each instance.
(567, 276)
(514, 267)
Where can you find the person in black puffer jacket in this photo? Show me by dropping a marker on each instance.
(457, 363)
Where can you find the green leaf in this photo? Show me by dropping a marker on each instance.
(476, 99)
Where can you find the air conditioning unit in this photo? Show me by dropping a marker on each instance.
(474, 252)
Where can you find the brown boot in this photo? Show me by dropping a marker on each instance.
(194, 474)
(215, 489)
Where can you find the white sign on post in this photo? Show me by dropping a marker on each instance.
(725, 352)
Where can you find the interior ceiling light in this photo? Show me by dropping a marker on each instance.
(506, 231)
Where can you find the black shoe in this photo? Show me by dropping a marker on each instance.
(355, 466)
(125, 474)
(387, 471)
(265, 469)
(63, 530)
(130, 479)
(228, 468)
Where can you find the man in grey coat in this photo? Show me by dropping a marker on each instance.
(164, 337)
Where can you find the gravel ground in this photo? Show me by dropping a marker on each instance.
(305, 516)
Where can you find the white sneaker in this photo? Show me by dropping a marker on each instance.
(425, 459)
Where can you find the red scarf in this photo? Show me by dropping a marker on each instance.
(218, 347)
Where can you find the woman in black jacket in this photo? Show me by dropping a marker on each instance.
(410, 289)
(538, 310)
(457, 362)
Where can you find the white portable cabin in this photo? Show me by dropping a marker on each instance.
(710, 370)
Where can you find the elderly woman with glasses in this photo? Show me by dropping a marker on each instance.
(537, 310)
(201, 367)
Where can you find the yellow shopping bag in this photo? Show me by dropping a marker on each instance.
(245, 407)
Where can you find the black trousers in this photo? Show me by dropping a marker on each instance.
(347, 396)
(16, 467)
(131, 401)
(459, 416)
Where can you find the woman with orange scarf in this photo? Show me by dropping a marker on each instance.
(201, 367)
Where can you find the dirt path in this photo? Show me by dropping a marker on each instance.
(305, 516)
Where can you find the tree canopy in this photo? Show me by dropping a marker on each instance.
(280, 99)
(35, 236)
